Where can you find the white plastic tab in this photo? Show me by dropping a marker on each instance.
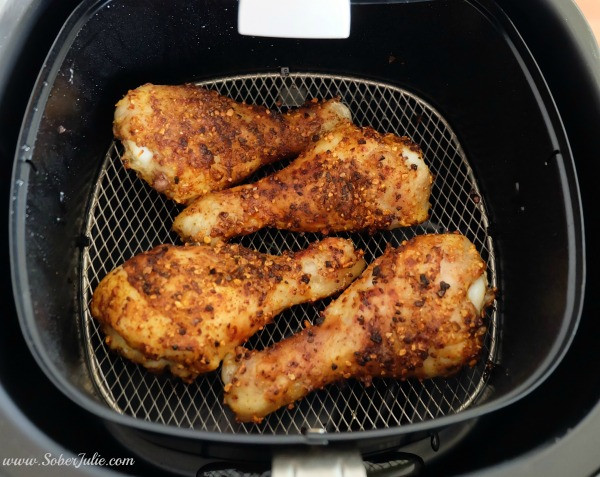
(295, 18)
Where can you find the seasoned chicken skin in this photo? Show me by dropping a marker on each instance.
(186, 141)
(350, 179)
(415, 312)
(186, 307)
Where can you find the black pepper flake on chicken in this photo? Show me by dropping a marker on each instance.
(190, 330)
(333, 187)
(435, 339)
(375, 337)
(443, 287)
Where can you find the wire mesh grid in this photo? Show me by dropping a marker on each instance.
(127, 217)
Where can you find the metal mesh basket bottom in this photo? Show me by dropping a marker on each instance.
(126, 217)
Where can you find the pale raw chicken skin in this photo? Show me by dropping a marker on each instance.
(349, 179)
(186, 307)
(186, 141)
(416, 312)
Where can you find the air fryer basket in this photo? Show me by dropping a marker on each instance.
(127, 217)
(464, 87)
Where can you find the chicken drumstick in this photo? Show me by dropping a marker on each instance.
(350, 179)
(186, 307)
(186, 141)
(415, 312)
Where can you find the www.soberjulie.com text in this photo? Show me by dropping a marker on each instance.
(77, 461)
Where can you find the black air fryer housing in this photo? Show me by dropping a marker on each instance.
(467, 59)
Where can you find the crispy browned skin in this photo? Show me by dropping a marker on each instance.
(415, 312)
(186, 141)
(350, 179)
(186, 307)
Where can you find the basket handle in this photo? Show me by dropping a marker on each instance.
(345, 463)
(325, 462)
